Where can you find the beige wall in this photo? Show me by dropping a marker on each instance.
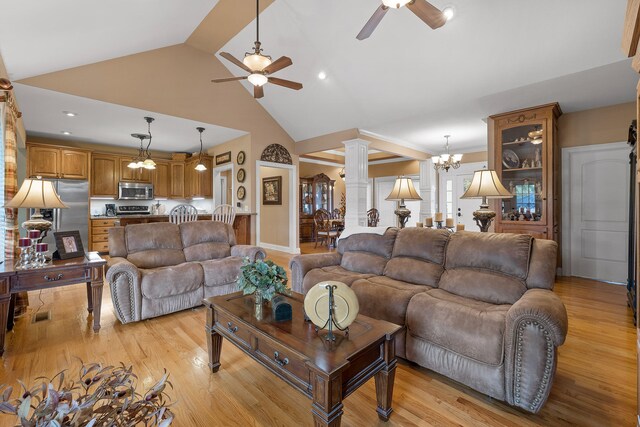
(308, 170)
(274, 224)
(409, 167)
(596, 126)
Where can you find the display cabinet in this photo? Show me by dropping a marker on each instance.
(316, 193)
(526, 157)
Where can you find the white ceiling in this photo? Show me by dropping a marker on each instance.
(414, 84)
(38, 37)
(105, 123)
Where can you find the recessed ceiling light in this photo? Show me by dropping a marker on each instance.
(65, 132)
(448, 12)
(69, 114)
(322, 75)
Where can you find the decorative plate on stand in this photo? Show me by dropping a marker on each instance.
(345, 302)
(510, 159)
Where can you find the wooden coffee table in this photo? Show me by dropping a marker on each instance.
(323, 371)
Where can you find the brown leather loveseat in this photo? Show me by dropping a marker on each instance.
(476, 307)
(160, 268)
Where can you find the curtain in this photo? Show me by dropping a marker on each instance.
(10, 179)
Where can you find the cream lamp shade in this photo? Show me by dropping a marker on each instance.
(36, 193)
(403, 190)
(486, 185)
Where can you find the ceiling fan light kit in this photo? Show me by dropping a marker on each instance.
(428, 13)
(396, 4)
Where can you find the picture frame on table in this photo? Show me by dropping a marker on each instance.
(69, 244)
(272, 190)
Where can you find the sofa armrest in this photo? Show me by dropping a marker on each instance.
(535, 326)
(254, 253)
(301, 264)
(126, 294)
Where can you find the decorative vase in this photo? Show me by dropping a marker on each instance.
(259, 303)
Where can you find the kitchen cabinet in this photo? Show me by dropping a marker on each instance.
(133, 175)
(105, 171)
(160, 177)
(99, 234)
(49, 161)
(177, 180)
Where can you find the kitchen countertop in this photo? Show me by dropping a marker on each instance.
(156, 216)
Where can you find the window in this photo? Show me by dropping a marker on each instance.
(449, 210)
(526, 197)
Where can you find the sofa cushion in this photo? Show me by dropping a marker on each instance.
(471, 328)
(173, 280)
(204, 240)
(367, 253)
(384, 298)
(220, 272)
(154, 245)
(482, 285)
(334, 272)
(504, 253)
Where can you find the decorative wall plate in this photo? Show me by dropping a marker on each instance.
(510, 159)
(241, 175)
(240, 158)
(316, 304)
(241, 192)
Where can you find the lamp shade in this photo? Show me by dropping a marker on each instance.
(485, 183)
(36, 193)
(403, 190)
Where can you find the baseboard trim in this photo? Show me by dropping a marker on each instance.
(286, 249)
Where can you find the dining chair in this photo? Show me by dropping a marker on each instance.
(373, 217)
(183, 213)
(224, 213)
(322, 230)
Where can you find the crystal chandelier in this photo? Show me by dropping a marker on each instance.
(446, 161)
(143, 159)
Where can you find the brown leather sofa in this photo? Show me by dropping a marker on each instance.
(160, 268)
(476, 307)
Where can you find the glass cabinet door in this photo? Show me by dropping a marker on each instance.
(523, 162)
(322, 190)
(307, 198)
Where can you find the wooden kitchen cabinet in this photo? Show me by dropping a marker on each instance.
(105, 171)
(49, 161)
(160, 177)
(177, 180)
(133, 175)
(199, 184)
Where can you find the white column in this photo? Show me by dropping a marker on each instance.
(356, 170)
(428, 189)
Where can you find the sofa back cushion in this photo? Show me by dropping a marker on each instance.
(486, 266)
(203, 240)
(154, 245)
(418, 256)
(367, 253)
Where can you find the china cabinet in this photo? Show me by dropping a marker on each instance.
(316, 193)
(526, 160)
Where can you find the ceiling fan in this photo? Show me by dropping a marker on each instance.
(259, 66)
(431, 15)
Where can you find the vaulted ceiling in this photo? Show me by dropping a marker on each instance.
(406, 82)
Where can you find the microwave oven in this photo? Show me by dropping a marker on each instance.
(135, 191)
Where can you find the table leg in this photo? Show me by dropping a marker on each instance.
(4, 314)
(12, 313)
(89, 298)
(214, 342)
(384, 380)
(96, 295)
(327, 400)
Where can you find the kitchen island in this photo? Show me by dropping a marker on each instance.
(100, 225)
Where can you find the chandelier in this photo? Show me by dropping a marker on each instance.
(143, 159)
(446, 161)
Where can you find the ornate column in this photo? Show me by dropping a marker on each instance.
(428, 189)
(357, 173)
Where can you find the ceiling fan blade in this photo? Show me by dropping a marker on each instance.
(431, 15)
(236, 61)
(230, 79)
(372, 23)
(258, 92)
(286, 83)
(278, 64)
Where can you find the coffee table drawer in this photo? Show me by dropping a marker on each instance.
(283, 360)
(238, 332)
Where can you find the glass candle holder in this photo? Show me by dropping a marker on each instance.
(41, 254)
(34, 234)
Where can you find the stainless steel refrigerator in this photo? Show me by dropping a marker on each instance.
(74, 194)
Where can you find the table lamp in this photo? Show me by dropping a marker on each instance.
(486, 185)
(403, 190)
(37, 194)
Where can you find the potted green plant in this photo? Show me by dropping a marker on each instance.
(99, 396)
(263, 279)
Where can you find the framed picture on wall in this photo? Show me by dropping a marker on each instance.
(223, 158)
(272, 190)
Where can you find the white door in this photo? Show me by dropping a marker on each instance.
(223, 190)
(382, 188)
(453, 184)
(596, 193)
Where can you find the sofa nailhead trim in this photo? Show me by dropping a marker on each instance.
(116, 302)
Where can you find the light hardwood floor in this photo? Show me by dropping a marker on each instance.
(595, 384)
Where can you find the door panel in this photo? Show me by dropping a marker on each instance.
(452, 185)
(386, 208)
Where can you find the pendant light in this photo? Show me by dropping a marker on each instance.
(136, 163)
(447, 160)
(200, 167)
(148, 163)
